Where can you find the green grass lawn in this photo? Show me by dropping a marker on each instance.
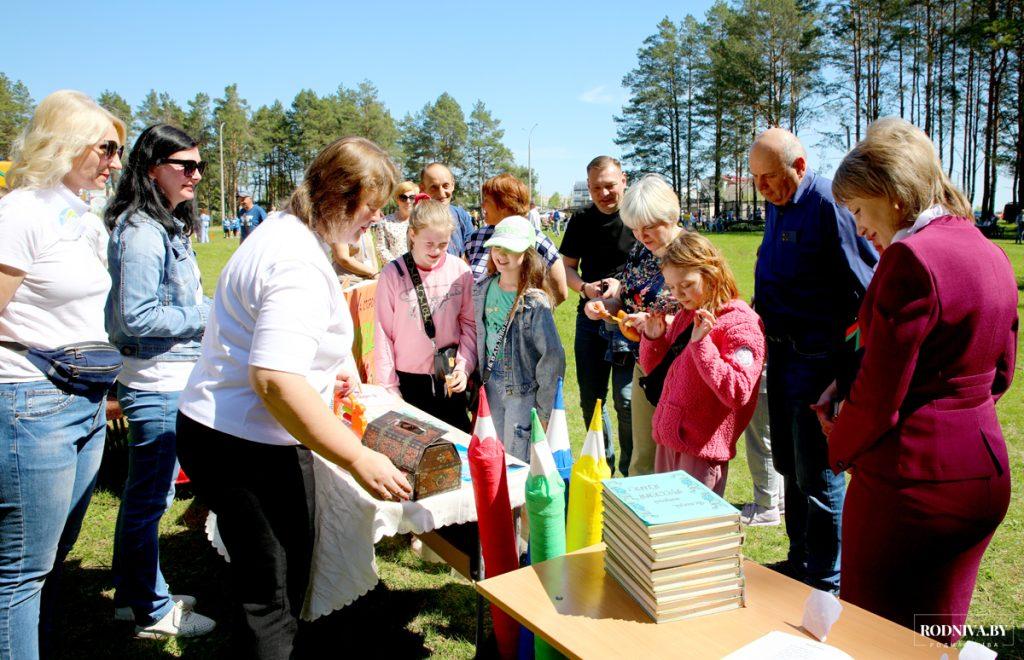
(423, 609)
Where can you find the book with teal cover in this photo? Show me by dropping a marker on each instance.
(667, 498)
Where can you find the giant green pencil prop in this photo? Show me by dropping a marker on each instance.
(545, 506)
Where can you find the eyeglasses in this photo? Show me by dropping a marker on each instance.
(111, 147)
(188, 167)
(407, 198)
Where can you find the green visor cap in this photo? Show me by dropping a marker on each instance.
(515, 234)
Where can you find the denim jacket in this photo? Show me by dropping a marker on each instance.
(533, 359)
(151, 311)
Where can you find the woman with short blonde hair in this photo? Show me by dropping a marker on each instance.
(650, 208)
(918, 426)
(391, 236)
(258, 401)
(896, 161)
(53, 285)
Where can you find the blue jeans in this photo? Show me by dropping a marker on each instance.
(814, 495)
(51, 444)
(510, 414)
(594, 363)
(148, 492)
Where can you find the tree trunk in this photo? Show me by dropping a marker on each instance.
(929, 39)
(857, 61)
(1018, 169)
(955, 96)
(899, 50)
(915, 70)
(718, 158)
(940, 94)
(968, 119)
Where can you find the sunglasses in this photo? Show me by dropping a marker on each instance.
(188, 167)
(111, 147)
(407, 198)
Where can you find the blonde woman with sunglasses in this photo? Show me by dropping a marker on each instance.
(52, 289)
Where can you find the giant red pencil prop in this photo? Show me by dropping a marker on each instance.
(494, 516)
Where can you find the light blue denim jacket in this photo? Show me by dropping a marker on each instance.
(151, 311)
(533, 359)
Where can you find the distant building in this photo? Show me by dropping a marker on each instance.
(580, 198)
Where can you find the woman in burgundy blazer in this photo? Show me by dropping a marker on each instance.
(918, 429)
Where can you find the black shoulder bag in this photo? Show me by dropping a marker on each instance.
(653, 383)
(444, 357)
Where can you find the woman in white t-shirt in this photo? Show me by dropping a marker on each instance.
(278, 342)
(52, 289)
(155, 315)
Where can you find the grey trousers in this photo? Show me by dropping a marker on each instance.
(768, 484)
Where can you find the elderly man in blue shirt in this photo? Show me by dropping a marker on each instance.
(437, 181)
(812, 271)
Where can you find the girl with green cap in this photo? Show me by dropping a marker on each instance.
(520, 354)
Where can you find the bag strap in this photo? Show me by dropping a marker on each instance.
(15, 347)
(680, 343)
(421, 296)
(499, 344)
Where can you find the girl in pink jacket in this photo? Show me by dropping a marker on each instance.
(404, 360)
(708, 357)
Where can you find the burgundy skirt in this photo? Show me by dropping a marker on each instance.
(911, 549)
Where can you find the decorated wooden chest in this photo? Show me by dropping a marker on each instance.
(418, 449)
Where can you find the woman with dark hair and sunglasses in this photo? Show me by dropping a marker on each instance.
(155, 314)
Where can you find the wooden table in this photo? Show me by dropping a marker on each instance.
(574, 605)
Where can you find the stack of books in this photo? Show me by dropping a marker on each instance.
(674, 545)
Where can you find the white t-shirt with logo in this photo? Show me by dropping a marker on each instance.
(279, 306)
(45, 234)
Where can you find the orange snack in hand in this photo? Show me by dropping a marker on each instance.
(628, 331)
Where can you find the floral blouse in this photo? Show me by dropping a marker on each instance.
(390, 237)
(643, 285)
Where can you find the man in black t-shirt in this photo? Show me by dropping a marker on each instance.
(594, 250)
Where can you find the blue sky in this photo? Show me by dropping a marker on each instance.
(555, 64)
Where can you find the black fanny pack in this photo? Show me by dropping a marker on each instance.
(87, 368)
(653, 383)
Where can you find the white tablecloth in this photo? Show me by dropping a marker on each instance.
(349, 522)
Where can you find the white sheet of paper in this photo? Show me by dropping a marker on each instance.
(821, 611)
(778, 645)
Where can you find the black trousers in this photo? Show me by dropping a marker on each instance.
(418, 390)
(263, 498)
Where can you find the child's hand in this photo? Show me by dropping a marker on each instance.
(651, 326)
(703, 321)
(456, 382)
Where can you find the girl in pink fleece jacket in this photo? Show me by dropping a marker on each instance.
(716, 346)
(403, 353)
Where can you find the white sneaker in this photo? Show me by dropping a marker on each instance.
(179, 622)
(754, 515)
(127, 614)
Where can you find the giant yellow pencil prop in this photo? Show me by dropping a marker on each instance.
(583, 526)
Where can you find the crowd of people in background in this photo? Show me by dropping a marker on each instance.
(881, 333)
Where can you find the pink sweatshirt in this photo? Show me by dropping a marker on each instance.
(711, 389)
(400, 342)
